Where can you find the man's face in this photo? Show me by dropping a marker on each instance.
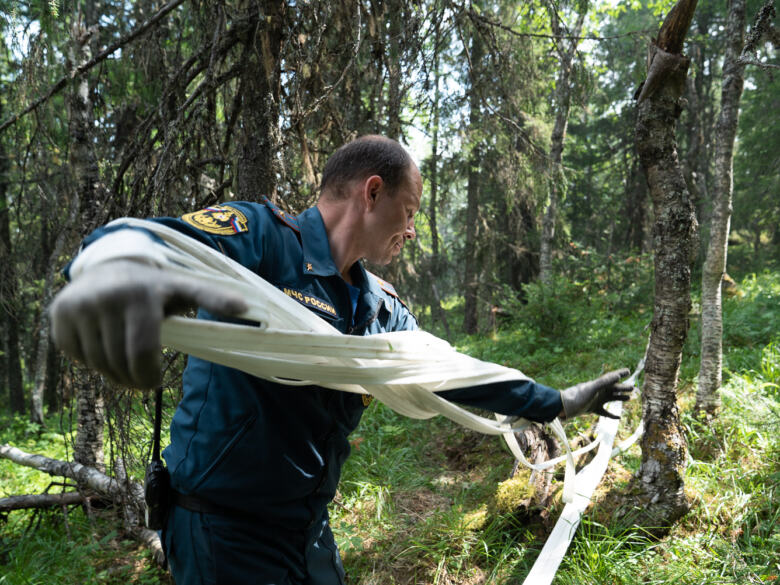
(391, 220)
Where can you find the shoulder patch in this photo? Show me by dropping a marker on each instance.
(222, 220)
(289, 220)
(384, 285)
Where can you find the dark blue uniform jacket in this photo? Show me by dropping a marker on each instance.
(272, 451)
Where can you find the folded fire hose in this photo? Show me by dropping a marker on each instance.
(404, 370)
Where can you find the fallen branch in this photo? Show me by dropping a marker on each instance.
(38, 501)
(127, 494)
(82, 474)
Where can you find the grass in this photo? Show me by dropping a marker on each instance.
(439, 522)
(423, 501)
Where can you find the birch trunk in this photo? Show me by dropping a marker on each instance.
(562, 105)
(664, 450)
(711, 370)
(88, 448)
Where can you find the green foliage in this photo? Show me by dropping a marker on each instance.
(750, 318)
(50, 547)
(450, 533)
(770, 364)
(757, 163)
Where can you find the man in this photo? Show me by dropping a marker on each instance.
(254, 464)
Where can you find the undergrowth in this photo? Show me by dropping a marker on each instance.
(421, 501)
(429, 516)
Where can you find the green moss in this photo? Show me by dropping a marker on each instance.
(514, 492)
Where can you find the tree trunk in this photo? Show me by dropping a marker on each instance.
(43, 362)
(471, 268)
(3, 344)
(635, 207)
(52, 390)
(664, 450)
(259, 160)
(393, 66)
(9, 302)
(36, 501)
(538, 447)
(88, 449)
(562, 104)
(433, 200)
(710, 373)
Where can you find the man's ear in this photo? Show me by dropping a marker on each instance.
(371, 188)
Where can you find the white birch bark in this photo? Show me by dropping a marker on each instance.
(88, 448)
(711, 369)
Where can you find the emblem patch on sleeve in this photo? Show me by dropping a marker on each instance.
(222, 220)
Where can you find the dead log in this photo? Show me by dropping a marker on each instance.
(101, 483)
(539, 446)
(128, 495)
(38, 501)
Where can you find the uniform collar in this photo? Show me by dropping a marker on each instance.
(317, 260)
(368, 283)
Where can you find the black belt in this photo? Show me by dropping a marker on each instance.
(196, 504)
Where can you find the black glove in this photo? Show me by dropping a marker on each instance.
(591, 396)
(110, 317)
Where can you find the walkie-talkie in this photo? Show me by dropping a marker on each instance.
(157, 482)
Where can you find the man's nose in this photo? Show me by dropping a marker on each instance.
(410, 234)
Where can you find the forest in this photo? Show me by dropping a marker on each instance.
(601, 187)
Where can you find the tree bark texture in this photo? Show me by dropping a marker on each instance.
(435, 272)
(711, 370)
(393, 66)
(43, 359)
(471, 268)
(635, 207)
(88, 448)
(9, 301)
(124, 492)
(539, 446)
(562, 104)
(664, 450)
(259, 158)
(37, 501)
(90, 410)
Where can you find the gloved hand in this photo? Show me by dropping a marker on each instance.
(591, 396)
(109, 317)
